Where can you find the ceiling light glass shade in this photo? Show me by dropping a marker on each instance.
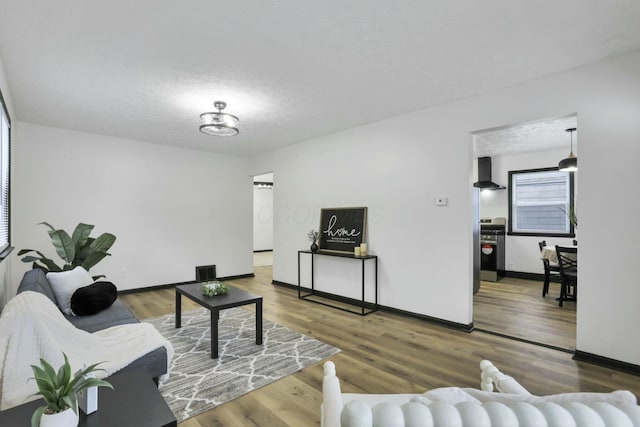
(570, 164)
(219, 123)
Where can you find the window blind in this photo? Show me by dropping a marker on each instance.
(4, 178)
(540, 201)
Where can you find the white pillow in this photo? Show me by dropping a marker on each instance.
(65, 283)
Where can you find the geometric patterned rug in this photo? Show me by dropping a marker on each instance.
(198, 383)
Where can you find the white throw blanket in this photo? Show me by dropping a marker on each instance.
(32, 327)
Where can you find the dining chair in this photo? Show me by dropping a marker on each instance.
(549, 270)
(568, 263)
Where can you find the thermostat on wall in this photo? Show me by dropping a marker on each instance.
(441, 201)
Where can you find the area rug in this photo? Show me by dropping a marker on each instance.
(198, 383)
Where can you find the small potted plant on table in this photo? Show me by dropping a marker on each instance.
(60, 391)
(313, 236)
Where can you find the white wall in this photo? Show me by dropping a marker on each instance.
(521, 254)
(5, 265)
(262, 219)
(170, 209)
(396, 168)
(263, 214)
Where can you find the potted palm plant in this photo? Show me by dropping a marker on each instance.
(76, 250)
(59, 391)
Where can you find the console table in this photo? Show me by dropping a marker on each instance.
(134, 401)
(362, 304)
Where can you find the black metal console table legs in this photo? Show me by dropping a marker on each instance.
(364, 306)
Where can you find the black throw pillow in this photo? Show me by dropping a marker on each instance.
(93, 298)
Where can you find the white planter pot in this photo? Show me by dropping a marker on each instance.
(66, 418)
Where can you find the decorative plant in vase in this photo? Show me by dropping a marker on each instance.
(60, 391)
(572, 214)
(214, 288)
(76, 250)
(313, 236)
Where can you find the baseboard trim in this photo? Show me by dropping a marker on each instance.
(524, 340)
(464, 327)
(239, 276)
(429, 319)
(528, 276)
(173, 285)
(618, 365)
(152, 288)
(283, 284)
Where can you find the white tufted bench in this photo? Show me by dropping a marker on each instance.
(513, 406)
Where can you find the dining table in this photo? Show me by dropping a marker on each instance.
(549, 253)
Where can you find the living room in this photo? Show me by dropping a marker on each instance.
(174, 207)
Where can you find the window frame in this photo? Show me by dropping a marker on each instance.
(5, 249)
(510, 231)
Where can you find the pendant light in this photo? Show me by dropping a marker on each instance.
(570, 164)
(219, 123)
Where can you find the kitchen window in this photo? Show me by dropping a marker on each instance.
(539, 200)
(5, 158)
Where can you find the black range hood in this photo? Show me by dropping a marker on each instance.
(484, 175)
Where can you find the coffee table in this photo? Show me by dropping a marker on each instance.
(134, 402)
(234, 298)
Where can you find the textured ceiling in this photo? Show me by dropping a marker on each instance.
(290, 70)
(539, 136)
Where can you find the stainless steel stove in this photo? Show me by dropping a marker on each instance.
(492, 248)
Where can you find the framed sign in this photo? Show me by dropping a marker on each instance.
(342, 229)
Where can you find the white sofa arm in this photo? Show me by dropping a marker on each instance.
(490, 376)
(452, 406)
(489, 414)
(332, 397)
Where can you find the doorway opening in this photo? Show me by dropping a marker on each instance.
(263, 225)
(513, 304)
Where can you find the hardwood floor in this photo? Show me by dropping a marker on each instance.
(516, 307)
(382, 353)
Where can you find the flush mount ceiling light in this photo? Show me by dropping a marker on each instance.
(219, 123)
(570, 164)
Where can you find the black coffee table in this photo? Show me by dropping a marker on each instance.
(235, 298)
(134, 402)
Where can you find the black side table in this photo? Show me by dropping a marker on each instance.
(134, 402)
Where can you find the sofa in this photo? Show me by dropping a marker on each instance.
(511, 406)
(155, 361)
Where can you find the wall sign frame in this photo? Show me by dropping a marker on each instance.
(342, 229)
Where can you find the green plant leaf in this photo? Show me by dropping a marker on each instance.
(71, 400)
(48, 225)
(51, 397)
(81, 235)
(42, 258)
(91, 382)
(50, 265)
(64, 245)
(59, 389)
(48, 370)
(64, 373)
(77, 250)
(97, 250)
(37, 415)
(93, 259)
(103, 242)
